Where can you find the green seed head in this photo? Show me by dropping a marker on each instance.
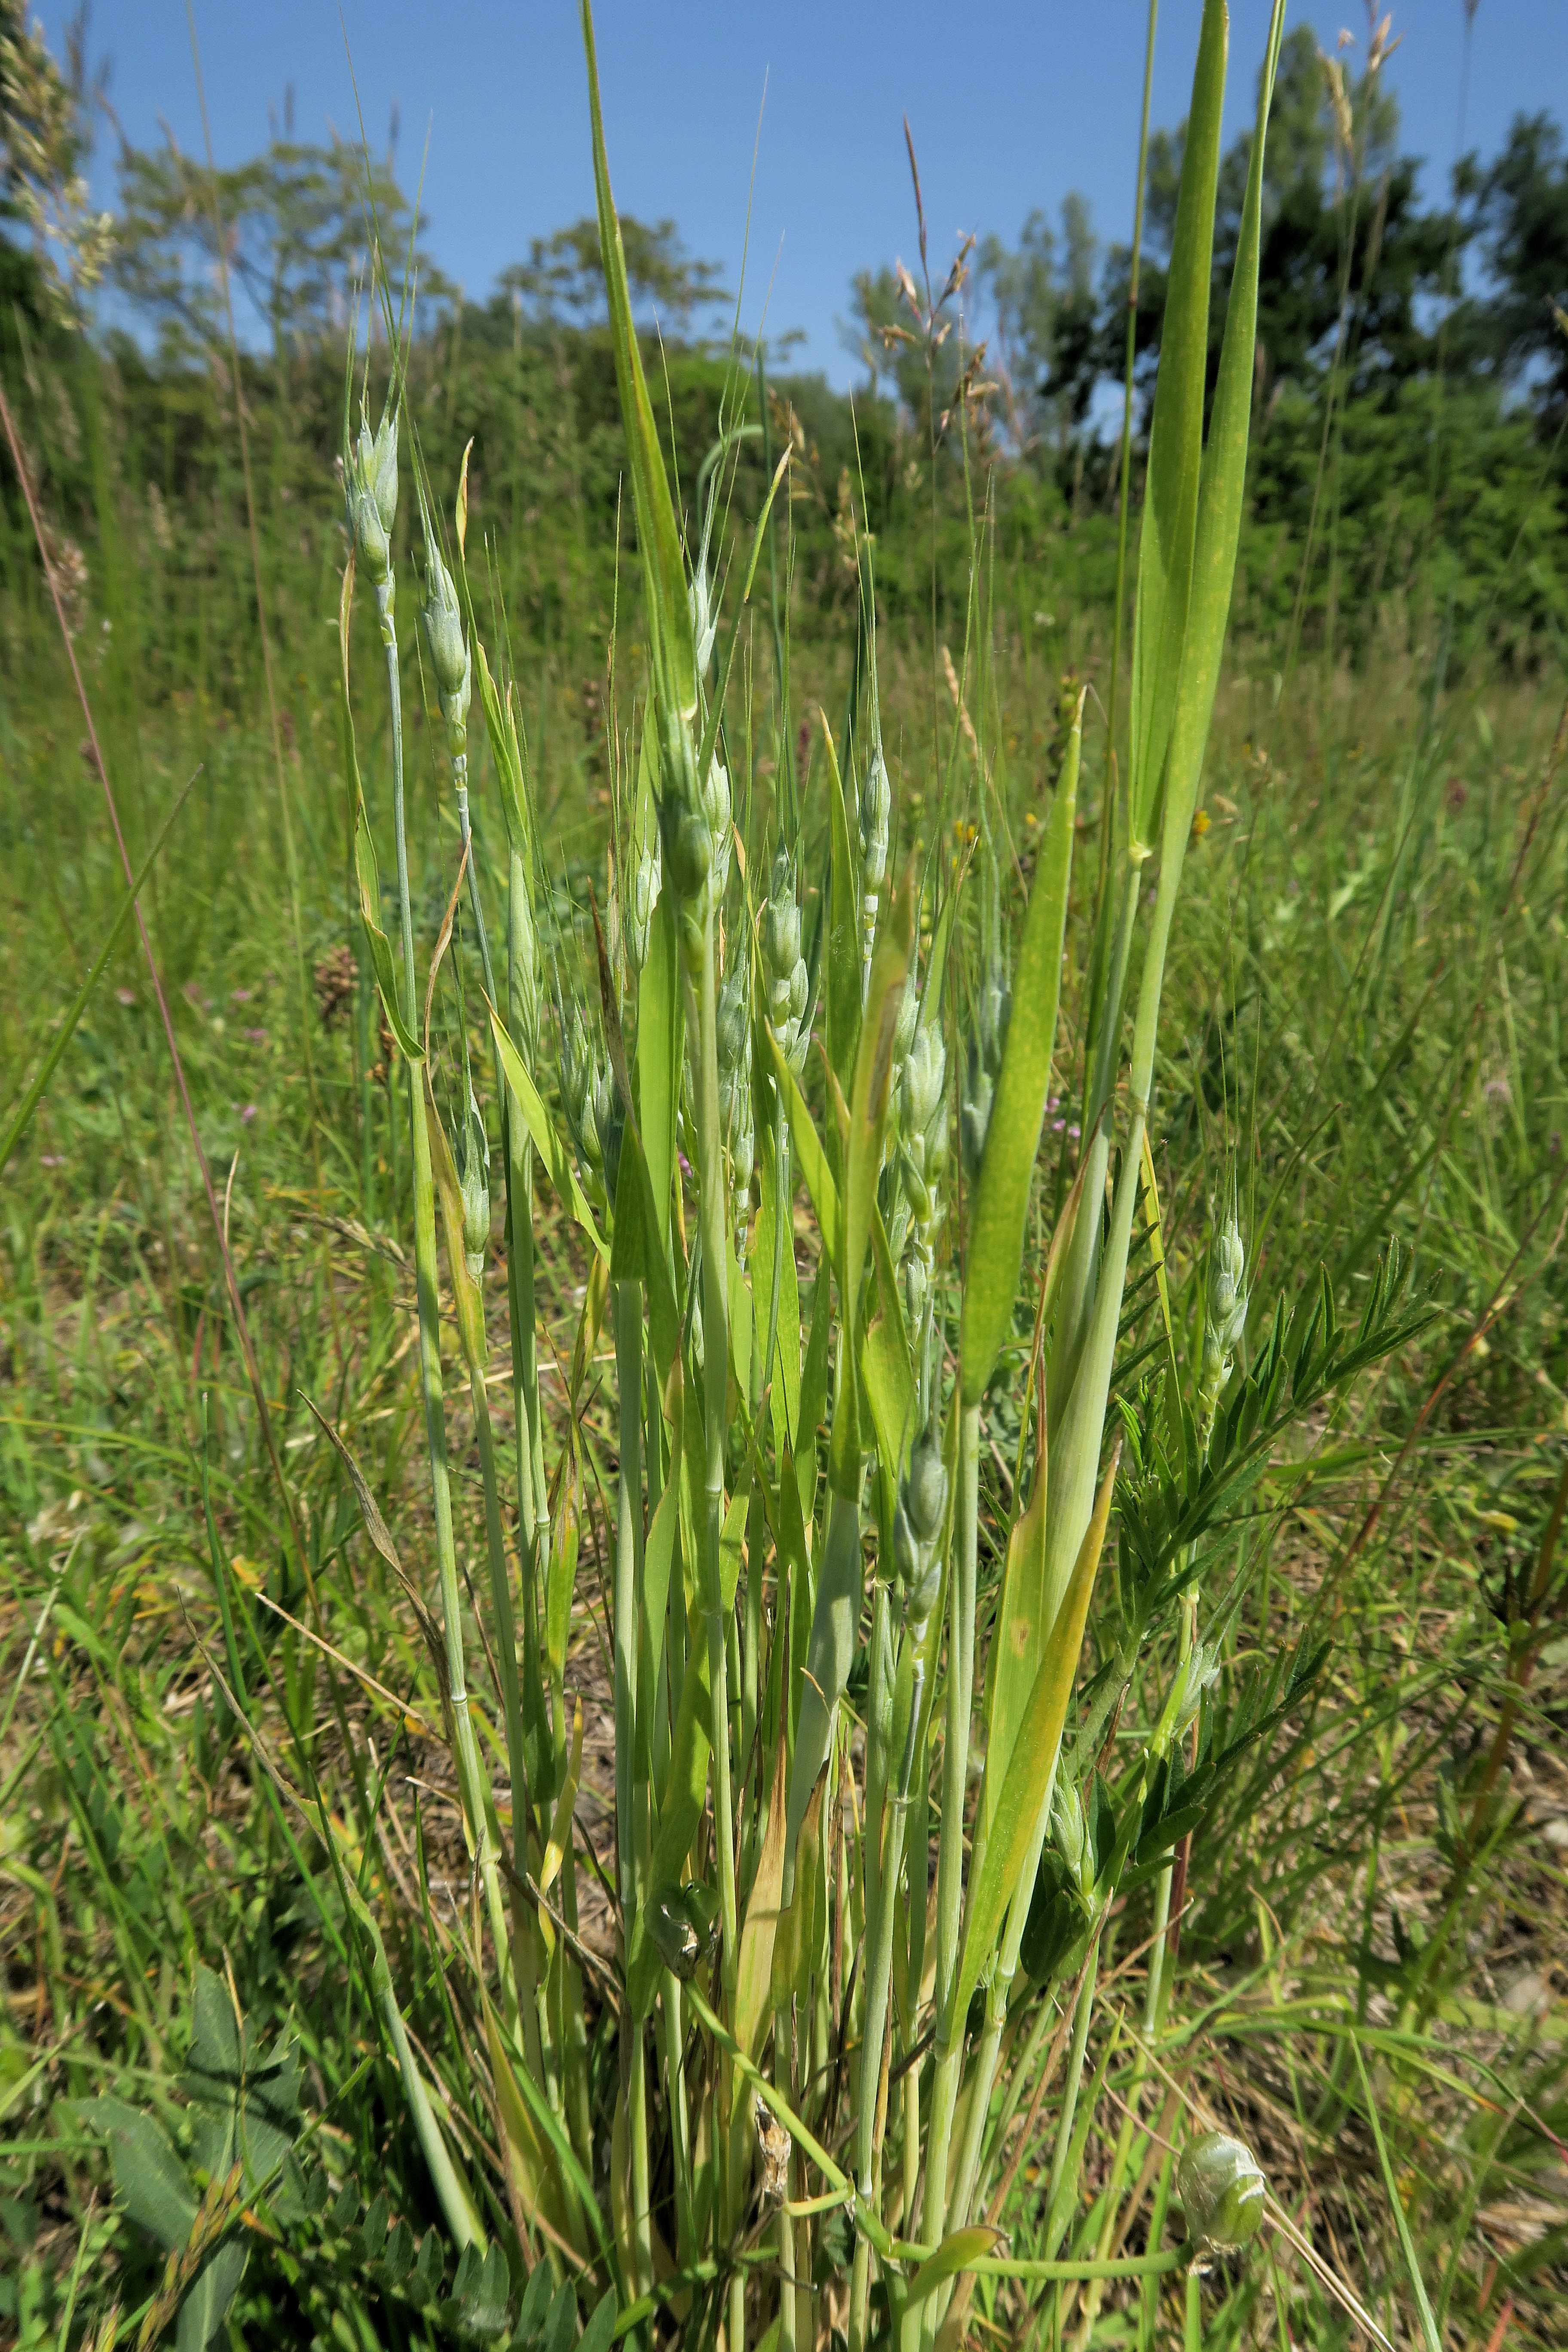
(918, 1517)
(1072, 1832)
(734, 1045)
(787, 981)
(704, 620)
(717, 809)
(687, 816)
(642, 895)
(993, 1011)
(370, 490)
(1224, 1314)
(1221, 2188)
(923, 1103)
(589, 1099)
(450, 659)
(876, 814)
(1228, 1298)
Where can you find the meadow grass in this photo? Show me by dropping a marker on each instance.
(474, 2003)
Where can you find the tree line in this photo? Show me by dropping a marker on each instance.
(1411, 430)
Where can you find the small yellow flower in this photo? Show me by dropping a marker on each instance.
(1200, 824)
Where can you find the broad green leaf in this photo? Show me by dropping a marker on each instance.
(1012, 1142)
(660, 1021)
(1031, 1771)
(1223, 486)
(367, 872)
(732, 1543)
(456, 2204)
(754, 1966)
(561, 1577)
(506, 751)
(955, 2253)
(889, 1389)
(1017, 1644)
(795, 1948)
(830, 1652)
(863, 1165)
(841, 985)
(813, 1395)
(470, 1306)
(658, 537)
(1175, 444)
(639, 1255)
(810, 1156)
(658, 1553)
(600, 2331)
(244, 2102)
(685, 1796)
(560, 1837)
(551, 1145)
(777, 1284)
(537, 2151)
(151, 2181)
(207, 2301)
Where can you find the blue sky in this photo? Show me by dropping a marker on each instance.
(1011, 106)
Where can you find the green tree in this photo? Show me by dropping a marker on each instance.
(298, 223)
(563, 275)
(1517, 208)
(1043, 294)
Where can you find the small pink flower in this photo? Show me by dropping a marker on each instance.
(51, 1159)
(248, 1113)
(241, 995)
(126, 995)
(255, 1036)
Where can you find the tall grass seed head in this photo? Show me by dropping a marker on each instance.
(1227, 1297)
(993, 1011)
(922, 1115)
(369, 491)
(788, 983)
(734, 1049)
(609, 1125)
(716, 808)
(704, 620)
(1070, 1830)
(918, 1516)
(876, 815)
(647, 870)
(1221, 2188)
(1225, 1311)
(686, 827)
(592, 1107)
(450, 658)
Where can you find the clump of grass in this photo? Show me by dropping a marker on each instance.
(737, 1606)
(962, 1669)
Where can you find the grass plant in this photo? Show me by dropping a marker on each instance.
(885, 1607)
